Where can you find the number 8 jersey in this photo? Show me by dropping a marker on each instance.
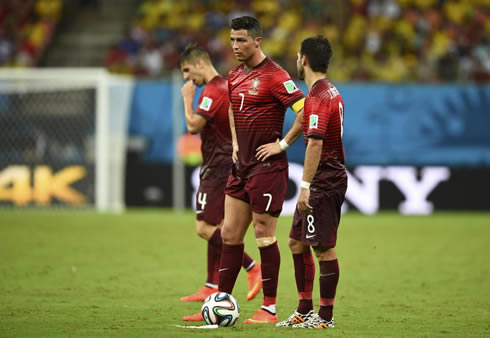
(259, 98)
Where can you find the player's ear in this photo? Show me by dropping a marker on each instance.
(258, 41)
(304, 60)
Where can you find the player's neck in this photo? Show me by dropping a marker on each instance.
(312, 77)
(210, 74)
(255, 60)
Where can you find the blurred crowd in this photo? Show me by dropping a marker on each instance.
(26, 27)
(374, 40)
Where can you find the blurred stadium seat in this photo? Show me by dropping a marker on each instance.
(375, 40)
(26, 28)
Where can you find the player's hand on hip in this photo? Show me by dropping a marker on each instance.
(267, 150)
(234, 154)
(304, 206)
(188, 89)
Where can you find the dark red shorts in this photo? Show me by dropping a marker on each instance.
(264, 193)
(210, 200)
(319, 228)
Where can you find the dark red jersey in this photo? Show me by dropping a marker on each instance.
(216, 136)
(324, 119)
(260, 98)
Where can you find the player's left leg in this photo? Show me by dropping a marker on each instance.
(265, 230)
(267, 193)
(329, 278)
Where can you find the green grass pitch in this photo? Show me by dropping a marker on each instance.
(87, 274)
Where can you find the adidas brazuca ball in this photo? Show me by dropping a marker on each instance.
(220, 308)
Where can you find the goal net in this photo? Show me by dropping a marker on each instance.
(63, 138)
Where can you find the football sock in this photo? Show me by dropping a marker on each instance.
(271, 260)
(248, 263)
(216, 239)
(304, 272)
(329, 277)
(214, 257)
(231, 262)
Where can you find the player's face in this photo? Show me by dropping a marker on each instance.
(243, 45)
(193, 72)
(300, 67)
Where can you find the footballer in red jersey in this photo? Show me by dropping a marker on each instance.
(323, 188)
(211, 120)
(260, 91)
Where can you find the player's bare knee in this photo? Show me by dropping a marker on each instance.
(230, 236)
(325, 253)
(263, 227)
(200, 229)
(296, 247)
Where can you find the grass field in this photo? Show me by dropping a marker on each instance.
(85, 274)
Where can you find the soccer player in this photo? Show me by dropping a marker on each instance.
(260, 92)
(323, 188)
(211, 120)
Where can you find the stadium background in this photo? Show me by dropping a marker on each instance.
(414, 77)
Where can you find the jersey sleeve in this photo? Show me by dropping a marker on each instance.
(208, 103)
(285, 90)
(318, 114)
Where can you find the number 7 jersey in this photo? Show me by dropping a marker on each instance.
(259, 100)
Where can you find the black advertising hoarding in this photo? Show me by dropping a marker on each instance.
(409, 190)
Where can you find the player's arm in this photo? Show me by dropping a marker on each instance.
(233, 133)
(312, 159)
(270, 149)
(194, 122)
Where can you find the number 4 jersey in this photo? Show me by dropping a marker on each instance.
(259, 98)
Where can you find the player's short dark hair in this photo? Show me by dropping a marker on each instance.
(249, 23)
(192, 53)
(318, 51)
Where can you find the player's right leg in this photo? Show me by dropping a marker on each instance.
(237, 219)
(304, 273)
(206, 231)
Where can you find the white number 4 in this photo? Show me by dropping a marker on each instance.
(201, 199)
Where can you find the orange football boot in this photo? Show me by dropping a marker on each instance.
(200, 295)
(194, 318)
(254, 280)
(261, 317)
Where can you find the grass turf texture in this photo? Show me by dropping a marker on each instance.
(87, 274)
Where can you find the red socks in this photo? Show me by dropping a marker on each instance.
(329, 278)
(304, 272)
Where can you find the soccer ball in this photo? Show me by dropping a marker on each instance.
(220, 308)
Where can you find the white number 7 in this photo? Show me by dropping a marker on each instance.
(268, 203)
(243, 98)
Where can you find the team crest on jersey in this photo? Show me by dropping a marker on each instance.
(290, 86)
(206, 103)
(313, 121)
(255, 86)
